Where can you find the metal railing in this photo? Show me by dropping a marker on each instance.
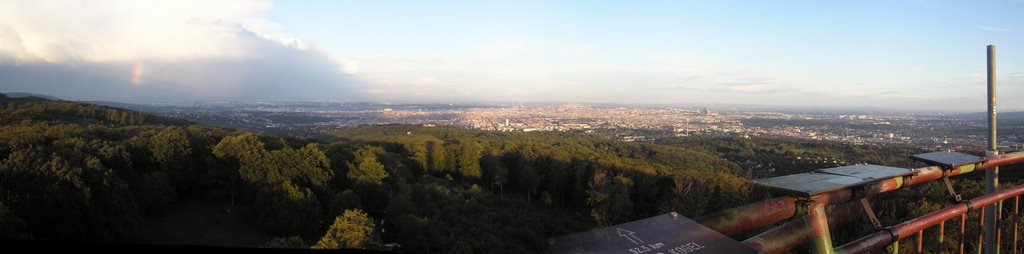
(916, 226)
(798, 231)
(811, 223)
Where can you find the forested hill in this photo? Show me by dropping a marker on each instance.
(79, 172)
(33, 108)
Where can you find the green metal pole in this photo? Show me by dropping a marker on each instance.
(819, 227)
(992, 174)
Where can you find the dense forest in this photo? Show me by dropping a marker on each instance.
(80, 172)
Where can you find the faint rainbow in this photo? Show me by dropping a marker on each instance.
(137, 73)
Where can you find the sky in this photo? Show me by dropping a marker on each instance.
(914, 55)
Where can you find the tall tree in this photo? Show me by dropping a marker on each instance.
(248, 150)
(469, 159)
(608, 198)
(435, 150)
(367, 169)
(171, 149)
(286, 209)
(529, 180)
(352, 229)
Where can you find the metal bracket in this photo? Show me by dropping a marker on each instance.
(803, 206)
(871, 213)
(952, 192)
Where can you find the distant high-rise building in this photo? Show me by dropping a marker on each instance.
(507, 122)
(704, 111)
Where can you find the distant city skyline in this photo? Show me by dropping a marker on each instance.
(913, 55)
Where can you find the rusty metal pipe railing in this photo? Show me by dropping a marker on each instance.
(963, 232)
(752, 216)
(819, 228)
(766, 212)
(981, 230)
(1002, 159)
(763, 213)
(783, 238)
(920, 241)
(887, 236)
(770, 211)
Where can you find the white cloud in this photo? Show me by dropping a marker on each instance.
(192, 48)
(118, 30)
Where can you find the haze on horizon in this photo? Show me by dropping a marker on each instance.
(916, 55)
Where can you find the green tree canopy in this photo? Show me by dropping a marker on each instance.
(352, 229)
(171, 149)
(469, 159)
(609, 198)
(248, 150)
(367, 169)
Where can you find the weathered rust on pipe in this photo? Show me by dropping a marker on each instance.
(794, 233)
(766, 212)
(981, 230)
(782, 237)
(999, 221)
(822, 241)
(835, 197)
(963, 232)
(931, 173)
(895, 233)
(759, 214)
(870, 242)
(910, 227)
(752, 216)
(1002, 159)
(998, 196)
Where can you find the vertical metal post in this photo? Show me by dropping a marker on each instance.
(981, 230)
(819, 228)
(992, 174)
(999, 230)
(963, 231)
(1017, 203)
(920, 241)
(942, 232)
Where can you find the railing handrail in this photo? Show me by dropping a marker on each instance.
(770, 211)
(900, 231)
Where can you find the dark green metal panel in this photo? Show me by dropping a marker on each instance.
(831, 179)
(947, 160)
(868, 172)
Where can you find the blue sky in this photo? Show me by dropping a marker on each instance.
(921, 55)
